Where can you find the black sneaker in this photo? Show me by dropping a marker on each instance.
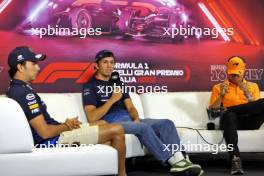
(237, 166)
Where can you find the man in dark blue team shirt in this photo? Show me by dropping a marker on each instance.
(116, 107)
(45, 130)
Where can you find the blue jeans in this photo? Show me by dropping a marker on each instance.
(152, 133)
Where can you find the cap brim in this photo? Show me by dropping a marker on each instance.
(235, 72)
(38, 57)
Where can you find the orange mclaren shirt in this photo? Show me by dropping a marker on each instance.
(234, 95)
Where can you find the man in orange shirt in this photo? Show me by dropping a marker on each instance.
(244, 110)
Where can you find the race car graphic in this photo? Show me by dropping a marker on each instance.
(126, 17)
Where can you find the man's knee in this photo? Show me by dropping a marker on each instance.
(117, 129)
(120, 137)
(118, 132)
(230, 117)
(228, 120)
(167, 123)
(145, 129)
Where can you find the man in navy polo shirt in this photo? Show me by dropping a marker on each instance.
(116, 107)
(24, 69)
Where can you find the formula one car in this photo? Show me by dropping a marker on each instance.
(127, 17)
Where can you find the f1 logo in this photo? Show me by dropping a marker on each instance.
(81, 71)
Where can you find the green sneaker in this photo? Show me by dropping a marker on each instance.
(185, 167)
(188, 160)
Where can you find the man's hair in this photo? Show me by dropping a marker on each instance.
(12, 71)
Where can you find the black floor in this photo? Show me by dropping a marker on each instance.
(212, 165)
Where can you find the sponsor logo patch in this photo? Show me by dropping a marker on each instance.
(30, 97)
(34, 106)
(104, 100)
(20, 58)
(33, 111)
(32, 102)
(86, 92)
(38, 56)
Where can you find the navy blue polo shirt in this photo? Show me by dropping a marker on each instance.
(95, 93)
(31, 104)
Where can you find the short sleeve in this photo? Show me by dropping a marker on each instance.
(30, 104)
(89, 95)
(214, 94)
(255, 92)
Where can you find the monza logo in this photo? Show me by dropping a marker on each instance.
(218, 73)
(81, 71)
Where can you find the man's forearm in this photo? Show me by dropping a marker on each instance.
(217, 102)
(98, 123)
(99, 112)
(55, 130)
(133, 114)
(248, 96)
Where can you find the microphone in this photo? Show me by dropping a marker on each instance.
(115, 78)
(115, 81)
